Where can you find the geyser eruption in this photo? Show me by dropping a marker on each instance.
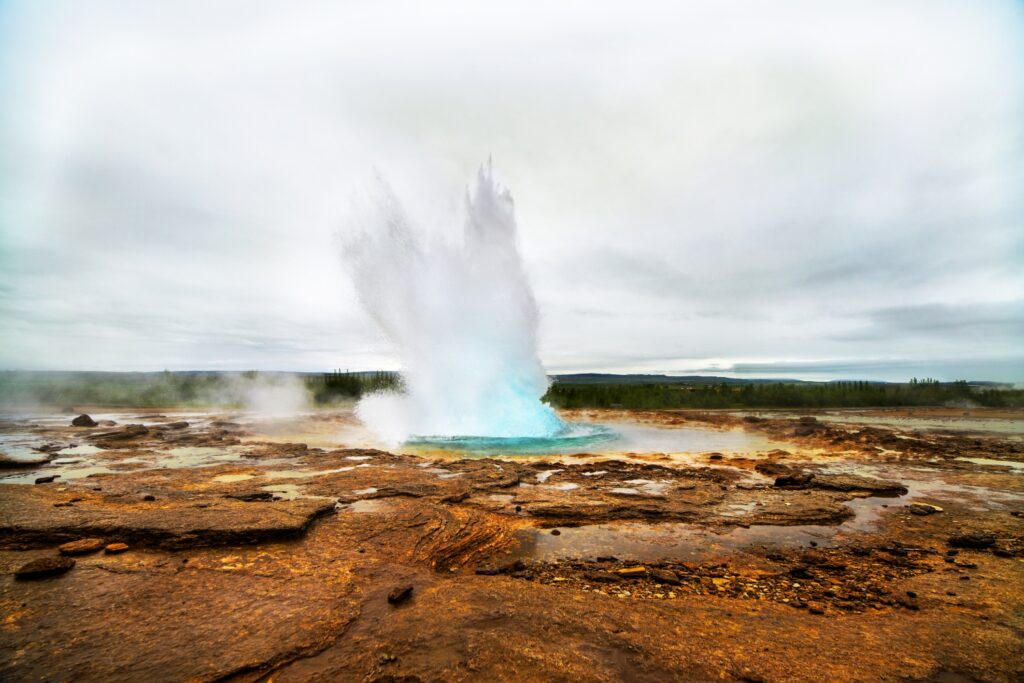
(462, 319)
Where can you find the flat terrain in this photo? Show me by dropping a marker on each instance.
(770, 546)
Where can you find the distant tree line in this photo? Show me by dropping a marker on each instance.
(331, 387)
(780, 395)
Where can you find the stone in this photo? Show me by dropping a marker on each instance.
(797, 480)
(7, 462)
(251, 496)
(46, 480)
(176, 425)
(82, 546)
(772, 469)
(149, 497)
(556, 532)
(126, 433)
(975, 540)
(115, 548)
(44, 566)
(715, 456)
(666, 576)
(855, 482)
(399, 594)
(632, 572)
(924, 509)
(601, 577)
(84, 420)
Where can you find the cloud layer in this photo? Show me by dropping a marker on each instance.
(802, 189)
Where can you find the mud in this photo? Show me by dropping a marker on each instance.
(253, 559)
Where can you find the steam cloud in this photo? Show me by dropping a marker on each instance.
(461, 317)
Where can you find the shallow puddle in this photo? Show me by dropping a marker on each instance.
(368, 505)
(989, 462)
(231, 478)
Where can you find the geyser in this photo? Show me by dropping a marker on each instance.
(461, 317)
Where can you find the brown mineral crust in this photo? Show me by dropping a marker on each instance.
(891, 601)
(28, 519)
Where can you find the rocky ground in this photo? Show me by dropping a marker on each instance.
(178, 549)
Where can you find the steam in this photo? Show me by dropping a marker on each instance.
(461, 317)
(277, 395)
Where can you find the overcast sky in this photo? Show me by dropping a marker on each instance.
(797, 188)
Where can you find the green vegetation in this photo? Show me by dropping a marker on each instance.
(780, 395)
(187, 389)
(235, 389)
(136, 389)
(334, 386)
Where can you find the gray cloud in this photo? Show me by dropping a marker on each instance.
(694, 191)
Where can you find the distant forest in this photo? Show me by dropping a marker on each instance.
(731, 394)
(169, 389)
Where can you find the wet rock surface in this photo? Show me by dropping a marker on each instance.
(284, 562)
(84, 420)
(43, 567)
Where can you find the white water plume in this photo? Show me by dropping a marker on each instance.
(461, 317)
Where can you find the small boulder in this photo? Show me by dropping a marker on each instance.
(975, 540)
(797, 480)
(601, 577)
(666, 576)
(82, 546)
(176, 425)
(399, 594)
(8, 462)
(44, 566)
(84, 420)
(772, 469)
(715, 456)
(115, 548)
(47, 479)
(149, 497)
(923, 509)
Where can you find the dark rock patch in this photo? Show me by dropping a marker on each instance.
(399, 594)
(974, 540)
(43, 567)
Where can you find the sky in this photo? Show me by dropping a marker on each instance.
(800, 188)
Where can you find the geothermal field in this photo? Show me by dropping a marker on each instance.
(458, 342)
(677, 545)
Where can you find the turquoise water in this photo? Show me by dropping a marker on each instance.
(574, 438)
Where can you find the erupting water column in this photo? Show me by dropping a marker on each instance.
(462, 319)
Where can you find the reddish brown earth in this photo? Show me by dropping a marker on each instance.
(696, 568)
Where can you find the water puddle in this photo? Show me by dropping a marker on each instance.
(989, 462)
(232, 478)
(285, 492)
(368, 505)
(304, 474)
(365, 492)
(644, 542)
